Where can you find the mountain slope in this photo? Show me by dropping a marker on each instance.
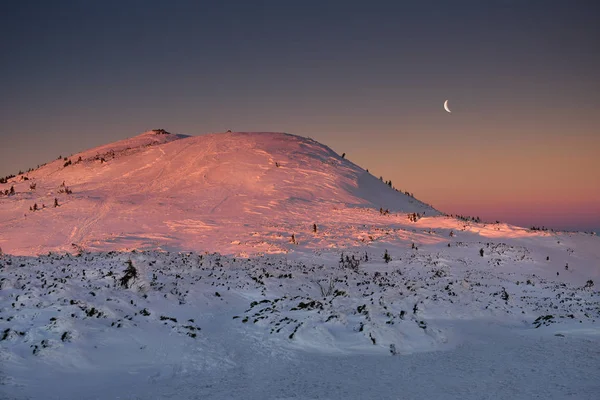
(171, 191)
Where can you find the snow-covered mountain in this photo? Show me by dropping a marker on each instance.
(159, 190)
(190, 267)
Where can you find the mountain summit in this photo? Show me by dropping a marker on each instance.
(209, 192)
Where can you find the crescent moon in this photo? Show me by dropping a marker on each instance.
(446, 107)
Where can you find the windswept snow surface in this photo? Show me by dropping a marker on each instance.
(201, 193)
(217, 302)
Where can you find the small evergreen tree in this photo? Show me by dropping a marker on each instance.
(315, 228)
(387, 258)
(130, 273)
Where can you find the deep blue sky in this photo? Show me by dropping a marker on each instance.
(366, 78)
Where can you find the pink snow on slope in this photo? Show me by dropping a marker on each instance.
(230, 192)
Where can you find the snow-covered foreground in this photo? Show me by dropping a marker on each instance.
(489, 363)
(433, 322)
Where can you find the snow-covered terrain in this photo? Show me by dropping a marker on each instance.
(261, 266)
(204, 193)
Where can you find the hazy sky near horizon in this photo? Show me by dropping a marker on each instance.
(366, 78)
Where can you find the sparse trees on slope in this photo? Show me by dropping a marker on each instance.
(64, 189)
(350, 262)
(6, 178)
(414, 217)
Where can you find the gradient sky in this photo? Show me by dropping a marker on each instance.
(366, 78)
